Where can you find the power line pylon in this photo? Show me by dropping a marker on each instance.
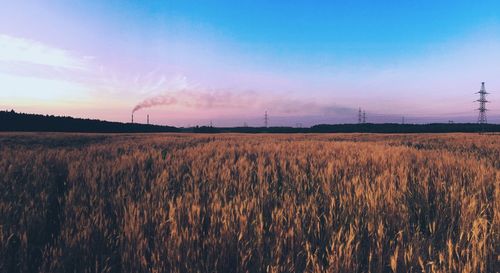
(359, 116)
(266, 120)
(364, 116)
(482, 105)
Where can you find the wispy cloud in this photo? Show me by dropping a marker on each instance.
(35, 73)
(19, 50)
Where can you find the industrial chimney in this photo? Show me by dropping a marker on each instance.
(148, 119)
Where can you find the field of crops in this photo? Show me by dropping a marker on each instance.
(249, 203)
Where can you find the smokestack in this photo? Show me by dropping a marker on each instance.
(132, 117)
(148, 119)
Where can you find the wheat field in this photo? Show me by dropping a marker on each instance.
(249, 203)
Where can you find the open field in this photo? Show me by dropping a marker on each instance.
(249, 203)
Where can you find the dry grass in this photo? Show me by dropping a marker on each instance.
(249, 203)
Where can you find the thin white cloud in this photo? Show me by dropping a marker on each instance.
(34, 72)
(18, 50)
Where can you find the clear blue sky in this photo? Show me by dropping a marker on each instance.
(229, 61)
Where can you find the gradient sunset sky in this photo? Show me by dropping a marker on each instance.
(191, 62)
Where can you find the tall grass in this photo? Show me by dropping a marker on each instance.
(249, 203)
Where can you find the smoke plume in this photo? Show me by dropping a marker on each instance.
(179, 92)
(205, 99)
(155, 101)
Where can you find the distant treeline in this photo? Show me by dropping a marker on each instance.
(12, 121)
(360, 128)
(406, 128)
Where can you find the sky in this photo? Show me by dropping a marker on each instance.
(189, 63)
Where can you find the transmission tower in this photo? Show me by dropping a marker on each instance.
(364, 116)
(482, 105)
(359, 116)
(266, 120)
